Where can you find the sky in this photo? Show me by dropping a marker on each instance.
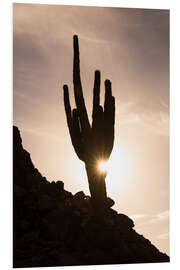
(131, 48)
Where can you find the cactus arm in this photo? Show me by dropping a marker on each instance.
(109, 106)
(76, 135)
(109, 114)
(76, 122)
(67, 107)
(96, 93)
(73, 124)
(78, 93)
(108, 95)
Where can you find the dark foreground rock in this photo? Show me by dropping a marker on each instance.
(53, 227)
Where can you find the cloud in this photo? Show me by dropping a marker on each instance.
(27, 49)
(163, 236)
(43, 134)
(151, 218)
(160, 217)
(137, 216)
(153, 119)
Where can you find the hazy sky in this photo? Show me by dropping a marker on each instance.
(131, 48)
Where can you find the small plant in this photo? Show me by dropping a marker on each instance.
(92, 143)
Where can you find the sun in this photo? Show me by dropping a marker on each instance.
(102, 166)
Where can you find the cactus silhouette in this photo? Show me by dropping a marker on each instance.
(92, 143)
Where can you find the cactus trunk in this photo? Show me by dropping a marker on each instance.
(97, 187)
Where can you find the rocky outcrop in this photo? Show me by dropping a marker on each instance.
(53, 227)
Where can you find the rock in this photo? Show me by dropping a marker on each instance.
(51, 227)
(124, 222)
(16, 137)
(60, 185)
(19, 192)
(68, 259)
(46, 203)
(79, 195)
(55, 225)
(110, 202)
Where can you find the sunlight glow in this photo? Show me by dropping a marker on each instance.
(121, 169)
(102, 166)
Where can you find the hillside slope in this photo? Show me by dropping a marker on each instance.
(53, 227)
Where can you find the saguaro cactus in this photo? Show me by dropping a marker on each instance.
(92, 143)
